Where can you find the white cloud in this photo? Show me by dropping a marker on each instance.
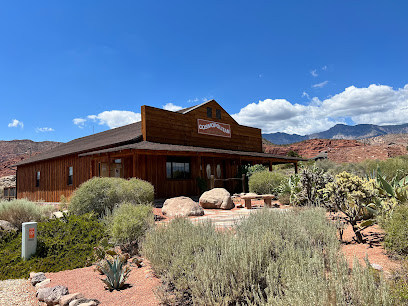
(305, 94)
(320, 85)
(115, 118)
(324, 67)
(172, 107)
(16, 123)
(44, 129)
(195, 100)
(112, 119)
(80, 122)
(314, 73)
(375, 104)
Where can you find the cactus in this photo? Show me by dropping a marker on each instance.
(116, 273)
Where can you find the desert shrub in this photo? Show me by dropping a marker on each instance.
(273, 258)
(129, 222)
(19, 211)
(396, 166)
(399, 284)
(254, 169)
(396, 229)
(265, 182)
(356, 198)
(390, 168)
(284, 198)
(100, 195)
(136, 191)
(62, 244)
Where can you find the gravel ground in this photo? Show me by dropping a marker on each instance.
(17, 292)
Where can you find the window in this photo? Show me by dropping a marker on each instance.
(37, 179)
(178, 167)
(209, 112)
(218, 113)
(70, 175)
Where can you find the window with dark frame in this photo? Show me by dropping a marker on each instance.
(209, 112)
(218, 113)
(178, 167)
(70, 175)
(37, 179)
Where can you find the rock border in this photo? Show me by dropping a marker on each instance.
(57, 295)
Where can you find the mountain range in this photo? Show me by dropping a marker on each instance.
(340, 131)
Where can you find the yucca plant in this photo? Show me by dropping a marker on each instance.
(116, 272)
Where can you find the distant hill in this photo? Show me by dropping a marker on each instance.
(13, 151)
(340, 131)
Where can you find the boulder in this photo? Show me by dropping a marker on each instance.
(6, 227)
(37, 278)
(216, 198)
(66, 299)
(52, 295)
(181, 207)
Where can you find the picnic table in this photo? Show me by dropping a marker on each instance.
(251, 196)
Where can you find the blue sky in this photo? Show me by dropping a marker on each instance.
(290, 66)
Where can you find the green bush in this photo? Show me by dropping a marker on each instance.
(103, 194)
(63, 244)
(396, 166)
(129, 222)
(19, 211)
(396, 229)
(273, 258)
(265, 182)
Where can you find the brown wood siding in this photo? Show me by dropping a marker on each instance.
(53, 178)
(163, 126)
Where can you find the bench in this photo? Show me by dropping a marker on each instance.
(250, 196)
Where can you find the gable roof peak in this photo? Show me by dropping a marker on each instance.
(188, 109)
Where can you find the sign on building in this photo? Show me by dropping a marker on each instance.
(213, 128)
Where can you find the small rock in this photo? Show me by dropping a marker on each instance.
(84, 301)
(66, 299)
(43, 283)
(51, 296)
(32, 274)
(37, 278)
(58, 214)
(376, 267)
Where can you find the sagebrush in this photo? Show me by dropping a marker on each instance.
(100, 195)
(265, 182)
(19, 211)
(272, 258)
(129, 222)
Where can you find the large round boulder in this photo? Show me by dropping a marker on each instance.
(216, 198)
(181, 207)
(7, 228)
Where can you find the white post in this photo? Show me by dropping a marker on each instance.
(29, 239)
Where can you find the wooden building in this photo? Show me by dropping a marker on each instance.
(172, 150)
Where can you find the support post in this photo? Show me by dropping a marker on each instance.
(243, 183)
(296, 168)
(212, 181)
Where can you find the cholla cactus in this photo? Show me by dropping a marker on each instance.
(306, 188)
(356, 198)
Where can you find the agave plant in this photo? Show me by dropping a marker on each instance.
(116, 272)
(391, 193)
